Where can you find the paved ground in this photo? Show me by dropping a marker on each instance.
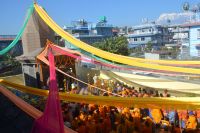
(18, 79)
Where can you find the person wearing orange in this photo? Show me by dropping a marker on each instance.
(198, 117)
(192, 121)
(136, 118)
(156, 115)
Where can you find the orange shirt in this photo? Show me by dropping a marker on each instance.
(198, 113)
(157, 115)
(192, 122)
(182, 114)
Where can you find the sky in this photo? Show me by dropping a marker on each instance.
(118, 12)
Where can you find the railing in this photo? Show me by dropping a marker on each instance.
(7, 37)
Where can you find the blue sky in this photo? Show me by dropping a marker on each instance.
(118, 12)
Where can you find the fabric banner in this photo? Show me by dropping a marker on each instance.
(42, 58)
(14, 42)
(51, 121)
(110, 56)
(190, 103)
(94, 61)
(29, 109)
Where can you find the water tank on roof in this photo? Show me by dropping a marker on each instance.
(103, 19)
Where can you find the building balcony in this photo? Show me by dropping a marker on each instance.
(142, 42)
(142, 34)
(179, 30)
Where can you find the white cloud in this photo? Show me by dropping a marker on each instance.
(175, 17)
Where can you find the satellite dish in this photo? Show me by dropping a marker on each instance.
(186, 6)
(195, 8)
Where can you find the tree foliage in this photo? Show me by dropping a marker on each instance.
(117, 45)
(149, 47)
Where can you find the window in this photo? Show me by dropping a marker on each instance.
(135, 39)
(142, 30)
(198, 33)
(142, 39)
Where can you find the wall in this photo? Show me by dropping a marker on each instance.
(35, 35)
(152, 56)
(194, 39)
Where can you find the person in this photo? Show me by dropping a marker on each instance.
(165, 94)
(48, 81)
(156, 115)
(192, 121)
(95, 79)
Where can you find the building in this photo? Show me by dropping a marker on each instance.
(5, 40)
(33, 42)
(152, 33)
(179, 38)
(194, 38)
(88, 32)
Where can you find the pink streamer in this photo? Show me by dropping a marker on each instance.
(161, 72)
(51, 121)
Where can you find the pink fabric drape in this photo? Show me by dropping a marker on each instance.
(51, 121)
(93, 61)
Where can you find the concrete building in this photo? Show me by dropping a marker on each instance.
(88, 32)
(194, 39)
(179, 38)
(152, 33)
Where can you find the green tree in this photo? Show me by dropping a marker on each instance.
(117, 45)
(149, 46)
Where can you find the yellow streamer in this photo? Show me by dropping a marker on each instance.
(104, 54)
(172, 103)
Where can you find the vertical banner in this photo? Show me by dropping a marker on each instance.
(51, 121)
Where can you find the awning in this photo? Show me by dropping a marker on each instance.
(159, 83)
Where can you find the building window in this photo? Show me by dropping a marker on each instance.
(142, 30)
(135, 39)
(198, 33)
(142, 39)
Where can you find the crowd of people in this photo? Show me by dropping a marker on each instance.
(90, 118)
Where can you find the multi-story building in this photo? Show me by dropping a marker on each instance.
(90, 33)
(187, 37)
(152, 33)
(194, 38)
(179, 38)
